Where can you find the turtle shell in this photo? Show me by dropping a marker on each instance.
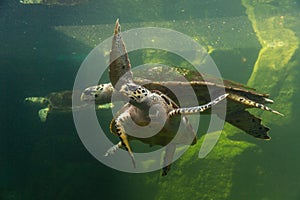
(205, 86)
(184, 135)
(62, 101)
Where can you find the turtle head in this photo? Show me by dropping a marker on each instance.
(135, 92)
(99, 93)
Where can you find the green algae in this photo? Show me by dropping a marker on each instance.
(208, 178)
(273, 71)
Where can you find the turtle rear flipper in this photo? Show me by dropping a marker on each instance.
(248, 123)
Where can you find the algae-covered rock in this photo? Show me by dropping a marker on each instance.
(208, 178)
(273, 70)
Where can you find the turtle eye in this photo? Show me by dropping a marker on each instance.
(96, 95)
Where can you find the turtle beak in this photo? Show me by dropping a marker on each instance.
(125, 90)
(128, 88)
(87, 94)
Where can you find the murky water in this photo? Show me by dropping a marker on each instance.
(253, 42)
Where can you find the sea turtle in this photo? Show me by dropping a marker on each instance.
(163, 107)
(62, 101)
(147, 108)
(142, 100)
(240, 97)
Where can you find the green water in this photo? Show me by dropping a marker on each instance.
(254, 42)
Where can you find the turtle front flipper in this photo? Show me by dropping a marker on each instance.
(248, 123)
(120, 131)
(113, 149)
(119, 67)
(37, 100)
(197, 109)
(250, 103)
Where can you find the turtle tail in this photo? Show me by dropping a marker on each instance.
(197, 109)
(251, 103)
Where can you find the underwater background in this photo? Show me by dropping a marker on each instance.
(254, 42)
